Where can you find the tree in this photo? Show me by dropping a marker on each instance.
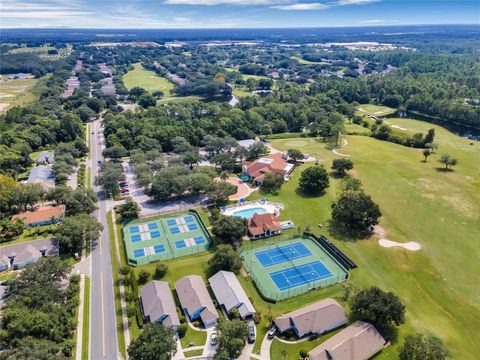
(182, 330)
(143, 276)
(220, 191)
(10, 229)
(156, 342)
(272, 182)
(147, 100)
(232, 338)
(7, 188)
(426, 153)
(314, 180)
(447, 160)
(75, 231)
(341, 166)
(32, 348)
(356, 212)
(160, 270)
(420, 347)
(158, 94)
(295, 154)
(136, 92)
(373, 304)
(350, 184)
(130, 209)
(255, 151)
(224, 258)
(110, 175)
(230, 229)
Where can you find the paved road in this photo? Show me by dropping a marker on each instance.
(103, 330)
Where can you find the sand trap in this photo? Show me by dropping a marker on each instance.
(399, 127)
(411, 245)
(381, 232)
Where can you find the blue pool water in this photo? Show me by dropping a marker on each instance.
(248, 213)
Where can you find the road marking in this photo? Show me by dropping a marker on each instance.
(103, 315)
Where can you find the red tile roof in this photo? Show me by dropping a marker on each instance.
(270, 163)
(260, 223)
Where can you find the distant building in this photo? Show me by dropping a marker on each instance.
(263, 225)
(42, 215)
(248, 143)
(17, 256)
(195, 300)
(273, 163)
(316, 318)
(157, 304)
(230, 294)
(43, 175)
(45, 157)
(359, 341)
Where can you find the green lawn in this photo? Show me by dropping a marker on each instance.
(307, 62)
(33, 233)
(192, 353)
(36, 49)
(293, 350)
(182, 99)
(420, 203)
(379, 110)
(241, 91)
(86, 319)
(16, 92)
(193, 337)
(147, 79)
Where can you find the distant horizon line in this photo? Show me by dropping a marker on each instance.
(245, 28)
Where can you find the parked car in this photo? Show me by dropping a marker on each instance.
(99, 161)
(251, 332)
(272, 332)
(214, 338)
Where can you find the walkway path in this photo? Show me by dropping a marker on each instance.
(179, 354)
(78, 353)
(344, 143)
(243, 190)
(265, 348)
(293, 342)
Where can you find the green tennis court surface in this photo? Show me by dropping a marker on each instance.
(164, 237)
(293, 267)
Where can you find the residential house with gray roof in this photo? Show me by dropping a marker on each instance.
(230, 294)
(157, 304)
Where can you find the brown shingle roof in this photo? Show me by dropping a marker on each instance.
(315, 318)
(359, 341)
(41, 213)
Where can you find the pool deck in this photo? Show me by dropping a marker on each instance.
(268, 206)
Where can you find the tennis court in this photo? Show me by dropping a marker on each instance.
(164, 237)
(288, 268)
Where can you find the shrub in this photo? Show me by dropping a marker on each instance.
(303, 353)
(257, 318)
(182, 330)
(234, 314)
(160, 270)
(131, 310)
(143, 276)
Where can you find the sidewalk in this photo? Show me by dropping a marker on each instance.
(123, 304)
(78, 353)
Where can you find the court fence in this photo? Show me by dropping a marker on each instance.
(333, 251)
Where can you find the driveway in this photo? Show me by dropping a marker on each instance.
(265, 348)
(209, 350)
(247, 349)
(73, 178)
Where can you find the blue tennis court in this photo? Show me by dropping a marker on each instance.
(135, 238)
(134, 229)
(199, 240)
(152, 226)
(138, 253)
(282, 254)
(300, 275)
(155, 234)
(171, 222)
(192, 227)
(174, 231)
(159, 248)
(188, 218)
(180, 244)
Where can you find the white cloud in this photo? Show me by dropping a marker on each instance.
(181, 19)
(223, 2)
(356, 2)
(376, 21)
(301, 6)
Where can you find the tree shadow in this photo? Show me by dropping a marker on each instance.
(337, 176)
(306, 195)
(442, 169)
(339, 231)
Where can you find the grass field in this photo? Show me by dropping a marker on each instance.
(182, 99)
(147, 79)
(36, 49)
(86, 319)
(307, 62)
(420, 203)
(34, 233)
(16, 93)
(193, 337)
(378, 110)
(192, 353)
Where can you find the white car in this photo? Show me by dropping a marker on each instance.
(214, 338)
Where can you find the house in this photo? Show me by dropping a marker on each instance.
(195, 300)
(263, 225)
(359, 341)
(41, 215)
(230, 294)
(273, 163)
(316, 318)
(157, 304)
(42, 175)
(248, 143)
(45, 157)
(20, 255)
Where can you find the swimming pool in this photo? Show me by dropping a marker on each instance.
(248, 213)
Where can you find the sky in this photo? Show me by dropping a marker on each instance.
(137, 14)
